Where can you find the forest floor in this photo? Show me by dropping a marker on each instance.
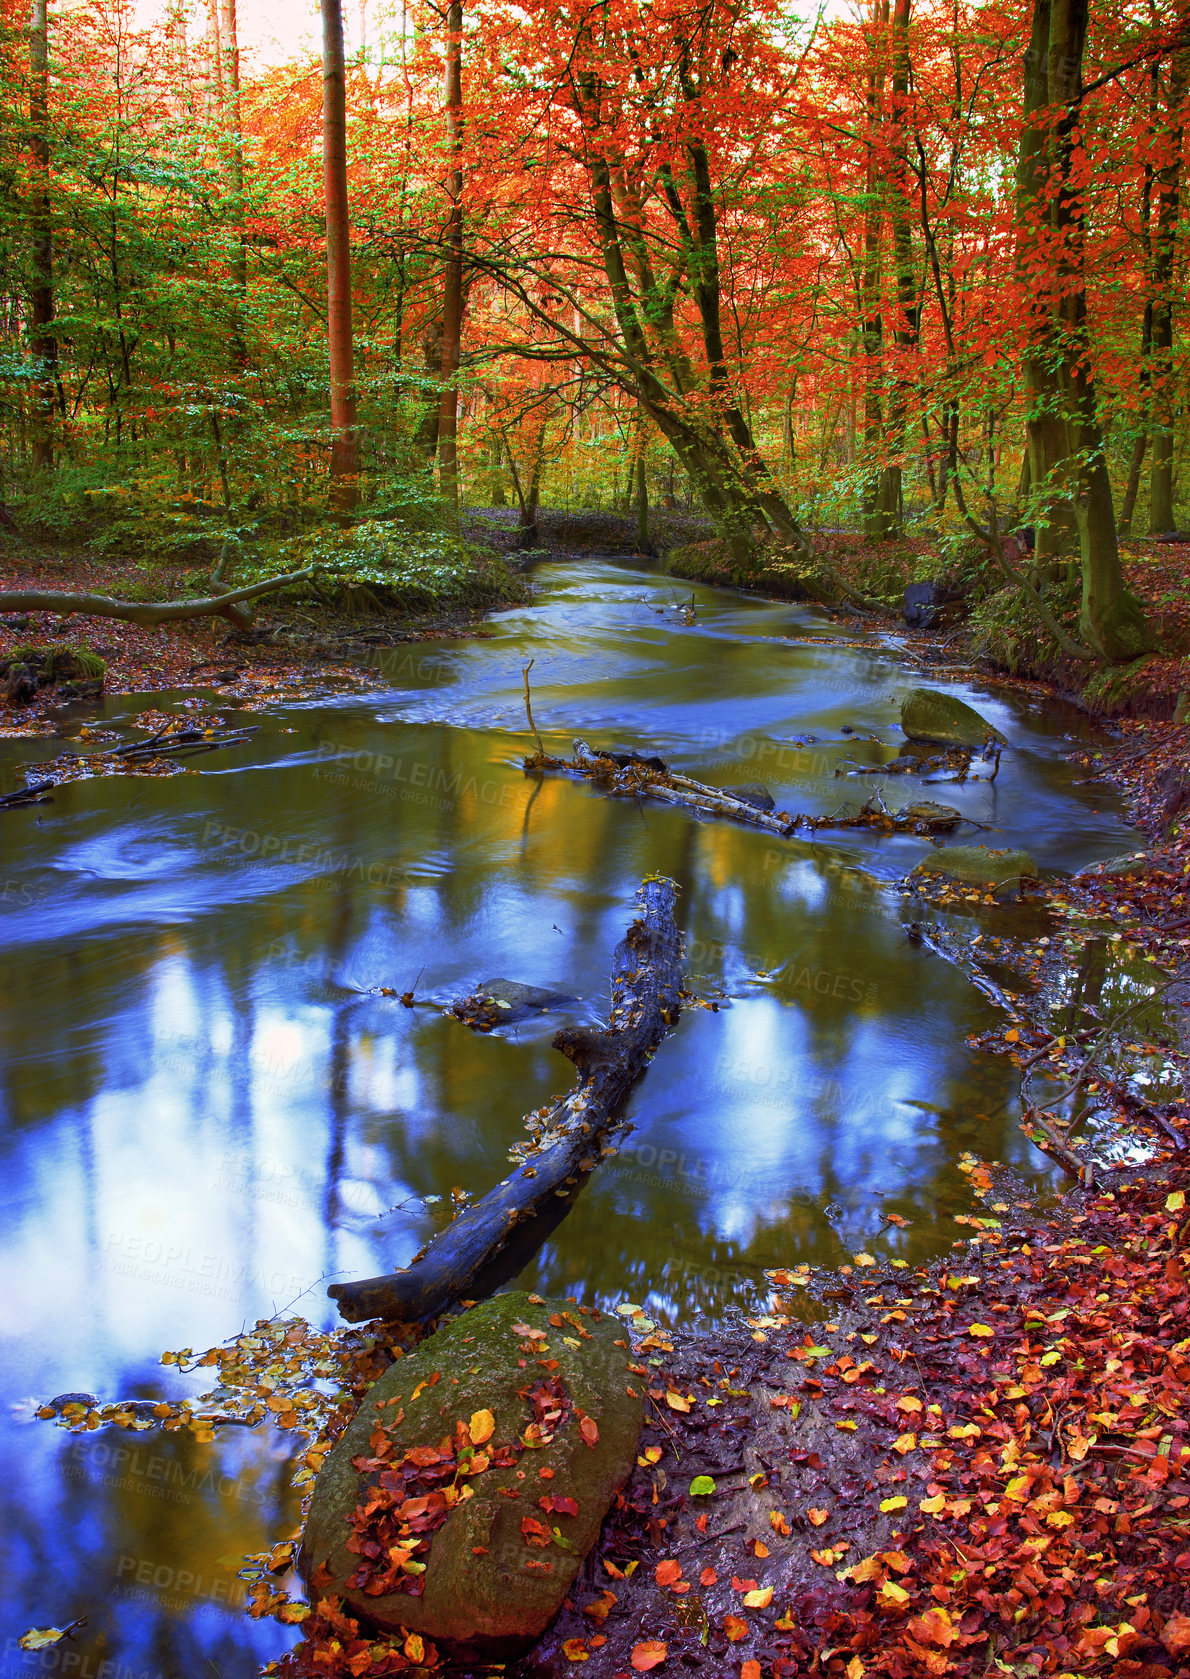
(296, 648)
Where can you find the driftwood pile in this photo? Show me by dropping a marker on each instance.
(628, 775)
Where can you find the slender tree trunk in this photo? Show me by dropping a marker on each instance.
(425, 438)
(229, 42)
(1048, 441)
(41, 314)
(882, 484)
(644, 542)
(215, 55)
(345, 444)
(1165, 398)
(452, 294)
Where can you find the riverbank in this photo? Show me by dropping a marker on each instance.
(303, 641)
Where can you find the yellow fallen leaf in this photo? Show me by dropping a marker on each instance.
(933, 1506)
(676, 1401)
(908, 1402)
(863, 1259)
(1175, 1201)
(981, 1331)
(1018, 1489)
(481, 1427)
(892, 1596)
(898, 1503)
(904, 1443)
(759, 1599)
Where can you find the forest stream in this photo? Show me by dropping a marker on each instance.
(214, 1101)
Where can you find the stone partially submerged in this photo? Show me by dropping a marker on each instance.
(466, 1491)
(929, 715)
(978, 865)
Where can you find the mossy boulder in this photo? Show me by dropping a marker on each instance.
(526, 1503)
(977, 865)
(927, 714)
(60, 663)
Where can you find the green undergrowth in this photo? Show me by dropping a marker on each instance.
(385, 564)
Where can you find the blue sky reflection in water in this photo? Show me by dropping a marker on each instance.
(208, 1112)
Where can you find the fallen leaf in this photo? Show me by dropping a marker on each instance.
(676, 1401)
(702, 1486)
(575, 1650)
(898, 1503)
(481, 1427)
(759, 1599)
(648, 1655)
(981, 1331)
(667, 1572)
(735, 1628)
(818, 1517)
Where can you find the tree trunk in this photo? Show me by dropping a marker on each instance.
(230, 83)
(1068, 464)
(452, 294)
(425, 437)
(42, 341)
(644, 543)
(1165, 295)
(345, 443)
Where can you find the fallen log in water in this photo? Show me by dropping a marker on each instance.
(628, 776)
(646, 990)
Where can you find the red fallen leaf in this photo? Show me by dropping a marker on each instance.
(590, 1433)
(738, 1585)
(535, 1532)
(559, 1506)
(648, 1655)
(1176, 1634)
(708, 1577)
(539, 1567)
(667, 1572)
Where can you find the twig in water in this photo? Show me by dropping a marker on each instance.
(529, 709)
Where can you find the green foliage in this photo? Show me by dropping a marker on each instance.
(60, 658)
(409, 569)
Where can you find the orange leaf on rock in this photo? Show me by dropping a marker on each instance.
(735, 1627)
(750, 1670)
(648, 1655)
(575, 1650)
(707, 1577)
(667, 1572)
(481, 1427)
(589, 1430)
(818, 1517)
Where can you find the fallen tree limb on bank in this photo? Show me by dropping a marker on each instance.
(566, 1138)
(148, 613)
(633, 776)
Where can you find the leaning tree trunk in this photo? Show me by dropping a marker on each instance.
(646, 1002)
(345, 443)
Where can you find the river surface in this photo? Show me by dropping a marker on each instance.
(208, 1110)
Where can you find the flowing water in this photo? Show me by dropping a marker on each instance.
(209, 1110)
